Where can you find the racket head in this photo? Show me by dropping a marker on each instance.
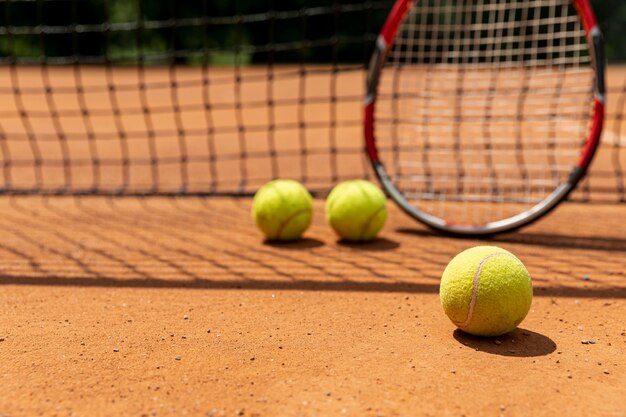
(481, 116)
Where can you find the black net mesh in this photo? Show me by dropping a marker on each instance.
(206, 97)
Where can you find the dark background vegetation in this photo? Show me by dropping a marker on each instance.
(214, 31)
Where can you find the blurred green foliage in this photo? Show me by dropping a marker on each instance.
(612, 17)
(166, 31)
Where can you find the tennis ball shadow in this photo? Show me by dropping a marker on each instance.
(302, 243)
(377, 245)
(519, 343)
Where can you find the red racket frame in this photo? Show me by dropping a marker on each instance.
(384, 42)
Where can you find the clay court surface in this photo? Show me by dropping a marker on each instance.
(171, 306)
(176, 307)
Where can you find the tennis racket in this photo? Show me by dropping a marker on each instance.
(482, 115)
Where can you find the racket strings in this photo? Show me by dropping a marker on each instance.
(503, 32)
(486, 105)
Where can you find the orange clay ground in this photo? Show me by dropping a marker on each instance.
(174, 307)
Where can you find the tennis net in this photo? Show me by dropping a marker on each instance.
(186, 97)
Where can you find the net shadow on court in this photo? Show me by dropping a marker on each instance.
(211, 243)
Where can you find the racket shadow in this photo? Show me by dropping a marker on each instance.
(553, 240)
(609, 244)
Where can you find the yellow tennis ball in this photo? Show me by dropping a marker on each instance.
(282, 209)
(356, 210)
(486, 291)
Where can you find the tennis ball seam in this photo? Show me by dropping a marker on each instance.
(476, 282)
(292, 216)
(369, 200)
(370, 209)
(369, 221)
(373, 216)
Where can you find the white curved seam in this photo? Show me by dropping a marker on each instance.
(369, 221)
(292, 216)
(470, 313)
